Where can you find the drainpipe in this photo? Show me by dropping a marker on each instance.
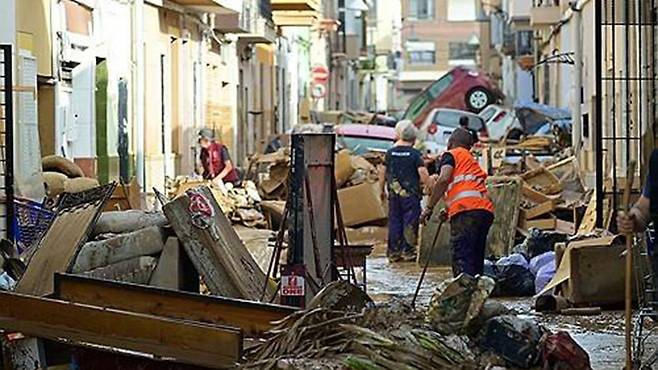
(576, 115)
(137, 61)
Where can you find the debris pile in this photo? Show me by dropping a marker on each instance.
(460, 330)
(240, 203)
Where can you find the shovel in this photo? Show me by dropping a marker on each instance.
(442, 219)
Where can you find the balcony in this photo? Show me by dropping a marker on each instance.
(212, 6)
(542, 16)
(284, 18)
(296, 5)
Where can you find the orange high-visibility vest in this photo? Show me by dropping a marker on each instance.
(467, 190)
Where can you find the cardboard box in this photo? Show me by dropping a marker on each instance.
(360, 204)
(591, 272)
(343, 167)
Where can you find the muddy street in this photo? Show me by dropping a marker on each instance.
(601, 336)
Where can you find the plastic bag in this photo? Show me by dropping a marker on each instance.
(540, 261)
(544, 276)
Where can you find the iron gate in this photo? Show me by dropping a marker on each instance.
(6, 143)
(625, 90)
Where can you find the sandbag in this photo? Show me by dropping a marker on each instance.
(120, 222)
(54, 183)
(80, 184)
(540, 261)
(514, 339)
(544, 276)
(560, 351)
(458, 302)
(55, 163)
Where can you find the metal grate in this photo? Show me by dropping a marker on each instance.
(6, 143)
(625, 86)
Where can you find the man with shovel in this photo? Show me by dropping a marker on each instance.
(461, 181)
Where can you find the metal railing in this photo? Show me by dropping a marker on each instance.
(6, 143)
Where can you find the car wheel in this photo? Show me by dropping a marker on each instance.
(477, 99)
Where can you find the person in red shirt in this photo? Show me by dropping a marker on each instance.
(215, 159)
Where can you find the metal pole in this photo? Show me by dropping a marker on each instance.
(598, 119)
(576, 115)
(9, 138)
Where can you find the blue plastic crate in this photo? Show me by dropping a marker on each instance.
(31, 220)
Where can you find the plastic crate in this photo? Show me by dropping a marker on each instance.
(31, 220)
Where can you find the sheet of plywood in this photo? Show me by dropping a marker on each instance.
(57, 249)
(214, 247)
(505, 193)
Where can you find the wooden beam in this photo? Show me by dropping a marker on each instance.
(183, 341)
(533, 195)
(252, 317)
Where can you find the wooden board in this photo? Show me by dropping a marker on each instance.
(533, 195)
(543, 224)
(538, 210)
(542, 180)
(253, 318)
(188, 342)
(505, 192)
(57, 249)
(215, 249)
(169, 271)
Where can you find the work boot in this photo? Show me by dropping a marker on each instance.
(394, 257)
(409, 256)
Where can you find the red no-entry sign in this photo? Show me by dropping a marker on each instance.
(320, 74)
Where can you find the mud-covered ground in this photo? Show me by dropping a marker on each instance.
(602, 336)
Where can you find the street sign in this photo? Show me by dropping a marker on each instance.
(292, 286)
(319, 91)
(320, 74)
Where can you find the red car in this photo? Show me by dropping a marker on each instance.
(461, 88)
(361, 139)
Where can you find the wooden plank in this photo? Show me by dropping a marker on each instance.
(252, 317)
(57, 249)
(565, 227)
(214, 247)
(188, 342)
(169, 271)
(533, 195)
(543, 224)
(543, 180)
(588, 223)
(538, 210)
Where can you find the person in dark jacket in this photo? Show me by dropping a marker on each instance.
(401, 178)
(216, 162)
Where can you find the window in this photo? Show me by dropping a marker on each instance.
(421, 9)
(462, 51)
(447, 118)
(461, 10)
(421, 52)
(524, 43)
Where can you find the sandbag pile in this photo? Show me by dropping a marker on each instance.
(124, 246)
(62, 175)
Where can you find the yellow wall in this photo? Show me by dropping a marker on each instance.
(33, 18)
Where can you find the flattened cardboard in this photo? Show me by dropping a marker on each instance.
(361, 204)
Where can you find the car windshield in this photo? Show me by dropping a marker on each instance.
(451, 119)
(362, 145)
(488, 113)
(420, 102)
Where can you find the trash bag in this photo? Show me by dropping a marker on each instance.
(539, 261)
(544, 276)
(514, 278)
(490, 269)
(512, 259)
(539, 242)
(514, 339)
(560, 351)
(457, 302)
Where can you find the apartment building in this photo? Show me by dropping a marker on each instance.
(437, 35)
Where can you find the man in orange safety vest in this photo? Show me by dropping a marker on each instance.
(461, 181)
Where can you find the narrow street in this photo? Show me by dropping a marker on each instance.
(263, 184)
